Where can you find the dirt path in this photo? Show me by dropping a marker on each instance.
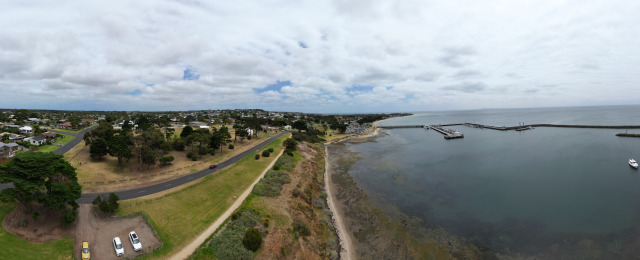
(346, 244)
(191, 247)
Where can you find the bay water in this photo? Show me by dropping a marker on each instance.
(507, 191)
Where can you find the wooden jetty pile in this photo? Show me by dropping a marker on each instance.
(448, 133)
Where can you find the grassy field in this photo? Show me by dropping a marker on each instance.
(16, 248)
(53, 147)
(179, 217)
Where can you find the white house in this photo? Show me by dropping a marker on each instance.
(25, 130)
(287, 127)
(37, 140)
(249, 131)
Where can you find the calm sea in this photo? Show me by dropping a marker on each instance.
(512, 192)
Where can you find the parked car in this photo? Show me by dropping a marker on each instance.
(212, 166)
(135, 241)
(86, 255)
(117, 245)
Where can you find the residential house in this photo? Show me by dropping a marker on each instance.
(27, 130)
(65, 125)
(48, 136)
(8, 150)
(197, 123)
(36, 140)
(15, 138)
(88, 121)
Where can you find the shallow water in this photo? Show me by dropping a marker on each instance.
(518, 190)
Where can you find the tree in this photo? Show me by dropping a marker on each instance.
(186, 131)
(290, 144)
(5, 138)
(143, 123)
(300, 125)
(146, 146)
(242, 133)
(119, 147)
(109, 205)
(265, 153)
(252, 239)
(46, 178)
(98, 148)
(37, 130)
(75, 121)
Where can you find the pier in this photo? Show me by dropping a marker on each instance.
(448, 133)
(399, 126)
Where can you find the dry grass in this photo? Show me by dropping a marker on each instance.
(181, 216)
(105, 175)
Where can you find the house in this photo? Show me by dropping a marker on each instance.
(37, 140)
(27, 130)
(197, 123)
(48, 136)
(88, 121)
(8, 150)
(204, 127)
(287, 127)
(65, 125)
(15, 138)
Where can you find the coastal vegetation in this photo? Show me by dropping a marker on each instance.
(288, 209)
(198, 204)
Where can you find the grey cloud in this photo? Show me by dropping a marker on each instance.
(456, 57)
(465, 74)
(467, 87)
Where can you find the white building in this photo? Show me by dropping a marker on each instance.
(37, 140)
(25, 130)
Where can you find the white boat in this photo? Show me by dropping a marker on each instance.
(633, 163)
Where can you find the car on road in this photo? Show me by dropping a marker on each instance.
(86, 255)
(117, 245)
(135, 241)
(212, 166)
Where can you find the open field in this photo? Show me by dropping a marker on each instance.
(56, 144)
(179, 217)
(105, 175)
(14, 247)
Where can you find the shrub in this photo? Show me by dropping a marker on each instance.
(231, 146)
(265, 153)
(296, 193)
(190, 155)
(276, 167)
(257, 156)
(285, 162)
(270, 150)
(194, 158)
(301, 227)
(271, 184)
(289, 152)
(166, 160)
(178, 144)
(252, 239)
(69, 217)
(97, 200)
(248, 137)
(35, 216)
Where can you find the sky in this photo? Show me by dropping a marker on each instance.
(333, 56)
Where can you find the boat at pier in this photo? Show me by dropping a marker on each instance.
(633, 163)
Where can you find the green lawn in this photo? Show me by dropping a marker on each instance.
(14, 247)
(53, 147)
(179, 217)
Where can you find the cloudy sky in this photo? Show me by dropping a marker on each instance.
(334, 56)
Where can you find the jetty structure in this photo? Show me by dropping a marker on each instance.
(452, 134)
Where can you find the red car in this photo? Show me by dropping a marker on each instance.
(212, 166)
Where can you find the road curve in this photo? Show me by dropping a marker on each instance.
(87, 198)
(77, 138)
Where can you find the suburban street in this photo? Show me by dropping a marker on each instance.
(87, 198)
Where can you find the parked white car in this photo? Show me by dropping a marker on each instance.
(117, 245)
(135, 241)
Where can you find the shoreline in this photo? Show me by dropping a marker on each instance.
(345, 240)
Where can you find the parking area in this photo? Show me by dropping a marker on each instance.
(99, 232)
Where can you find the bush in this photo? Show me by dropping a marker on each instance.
(265, 153)
(110, 205)
(69, 217)
(257, 156)
(229, 243)
(285, 162)
(271, 184)
(288, 152)
(231, 146)
(191, 155)
(270, 150)
(178, 144)
(301, 227)
(97, 200)
(296, 193)
(248, 137)
(252, 239)
(276, 167)
(166, 160)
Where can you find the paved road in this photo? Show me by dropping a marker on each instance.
(87, 198)
(77, 138)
